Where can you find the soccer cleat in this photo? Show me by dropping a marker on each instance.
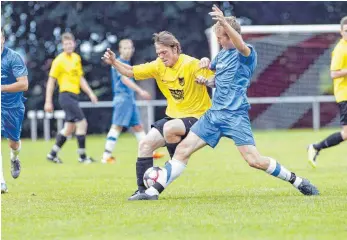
(142, 196)
(4, 188)
(15, 168)
(157, 155)
(108, 160)
(307, 188)
(54, 159)
(312, 155)
(87, 160)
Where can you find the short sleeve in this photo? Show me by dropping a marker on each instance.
(55, 69)
(251, 56)
(146, 70)
(18, 67)
(337, 60)
(79, 67)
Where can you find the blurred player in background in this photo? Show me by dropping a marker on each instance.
(125, 111)
(14, 81)
(175, 75)
(338, 72)
(67, 70)
(228, 116)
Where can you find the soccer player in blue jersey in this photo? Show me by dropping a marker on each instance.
(228, 116)
(125, 112)
(14, 80)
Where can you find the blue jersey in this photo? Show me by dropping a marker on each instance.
(12, 67)
(232, 78)
(118, 87)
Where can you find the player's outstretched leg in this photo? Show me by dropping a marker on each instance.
(174, 167)
(152, 141)
(332, 140)
(272, 167)
(15, 162)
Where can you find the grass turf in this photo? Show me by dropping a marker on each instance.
(217, 197)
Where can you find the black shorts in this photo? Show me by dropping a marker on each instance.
(69, 103)
(343, 112)
(188, 123)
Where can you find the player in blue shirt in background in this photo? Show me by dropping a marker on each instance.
(228, 116)
(14, 80)
(125, 112)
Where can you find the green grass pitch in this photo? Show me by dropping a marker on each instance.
(217, 197)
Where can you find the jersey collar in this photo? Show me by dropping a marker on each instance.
(178, 63)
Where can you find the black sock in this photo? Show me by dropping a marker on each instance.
(333, 140)
(159, 187)
(81, 139)
(59, 142)
(171, 148)
(142, 165)
(292, 178)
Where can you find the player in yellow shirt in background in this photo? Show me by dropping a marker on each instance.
(175, 75)
(338, 73)
(67, 70)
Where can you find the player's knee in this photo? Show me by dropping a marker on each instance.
(146, 147)
(169, 133)
(81, 127)
(344, 133)
(13, 145)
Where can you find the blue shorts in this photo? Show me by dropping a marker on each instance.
(11, 123)
(125, 113)
(215, 124)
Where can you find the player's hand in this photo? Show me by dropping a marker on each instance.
(217, 15)
(48, 107)
(204, 62)
(201, 80)
(145, 95)
(93, 98)
(109, 57)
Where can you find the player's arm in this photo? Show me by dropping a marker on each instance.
(49, 94)
(85, 88)
(207, 82)
(124, 69)
(144, 94)
(19, 86)
(338, 73)
(235, 37)
(203, 74)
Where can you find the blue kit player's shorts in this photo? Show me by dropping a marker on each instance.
(125, 113)
(11, 123)
(215, 124)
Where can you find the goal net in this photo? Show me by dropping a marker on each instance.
(293, 61)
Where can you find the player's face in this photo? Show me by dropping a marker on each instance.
(69, 46)
(344, 32)
(168, 55)
(126, 50)
(223, 38)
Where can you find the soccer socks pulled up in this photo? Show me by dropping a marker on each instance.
(333, 140)
(81, 140)
(111, 140)
(15, 153)
(142, 164)
(277, 170)
(174, 169)
(59, 142)
(2, 179)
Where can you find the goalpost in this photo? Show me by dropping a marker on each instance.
(291, 87)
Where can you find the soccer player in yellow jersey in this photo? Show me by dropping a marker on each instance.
(175, 74)
(338, 73)
(67, 70)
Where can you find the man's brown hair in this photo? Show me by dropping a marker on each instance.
(232, 22)
(343, 21)
(67, 36)
(167, 39)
